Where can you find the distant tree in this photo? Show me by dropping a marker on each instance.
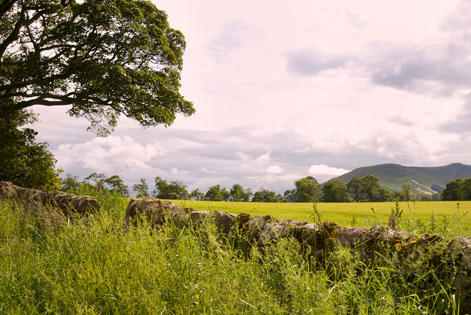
(141, 189)
(370, 186)
(466, 189)
(383, 194)
(70, 183)
(248, 195)
(429, 197)
(290, 195)
(264, 195)
(23, 161)
(335, 190)
(453, 190)
(226, 195)
(238, 193)
(98, 180)
(355, 186)
(406, 191)
(117, 184)
(170, 190)
(214, 193)
(307, 190)
(196, 195)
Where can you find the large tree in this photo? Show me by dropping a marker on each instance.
(24, 161)
(307, 190)
(104, 58)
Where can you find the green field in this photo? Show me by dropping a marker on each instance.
(50, 264)
(445, 217)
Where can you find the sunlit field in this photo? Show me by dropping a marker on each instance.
(444, 217)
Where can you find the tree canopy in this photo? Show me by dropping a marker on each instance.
(23, 161)
(104, 58)
(335, 190)
(264, 195)
(459, 189)
(141, 189)
(170, 190)
(307, 190)
(214, 193)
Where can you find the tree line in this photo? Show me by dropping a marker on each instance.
(308, 189)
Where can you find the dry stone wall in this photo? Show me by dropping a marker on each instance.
(57, 199)
(316, 239)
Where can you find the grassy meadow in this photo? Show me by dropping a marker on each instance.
(50, 264)
(445, 217)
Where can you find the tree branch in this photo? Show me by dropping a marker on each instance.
(5, 6)
(14, 35)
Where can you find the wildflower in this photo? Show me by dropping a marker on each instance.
(392, 223)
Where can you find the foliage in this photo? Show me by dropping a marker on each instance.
(214, 193)
(306, 190)
(226, 195)
(105, 58)
(98, 180)
(354, 187)
(396, 214)
(453, 190)
(23, 161)
(99, 183)
(141, 189)
(383, 195)
(407, 191)
(335, 190)
(92, 267)
(170, 190)
(459, 189)
(370, 187)
(289, 195)
(196, 195)
(116, 183)
(264, 195)
(367, 189)
(70, 183)
(238, 193)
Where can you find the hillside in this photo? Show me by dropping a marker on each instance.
(392, 176)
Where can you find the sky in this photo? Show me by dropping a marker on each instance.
(289, 89)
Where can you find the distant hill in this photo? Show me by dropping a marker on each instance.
(424, 179)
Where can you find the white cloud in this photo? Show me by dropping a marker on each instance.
(113, 154)
(264, 158)
(323, 169)
(274, 169)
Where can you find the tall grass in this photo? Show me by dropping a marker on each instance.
(92, 267)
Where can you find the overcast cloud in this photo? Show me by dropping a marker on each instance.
(287, 90)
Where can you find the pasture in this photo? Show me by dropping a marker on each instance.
(449, 218)
(91, 266)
